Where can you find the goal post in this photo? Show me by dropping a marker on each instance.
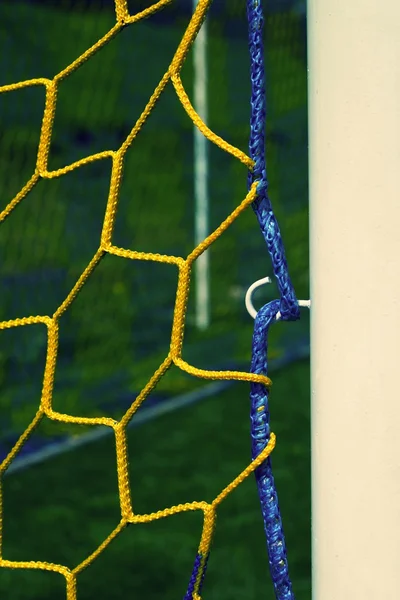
(201, 193)
(354, 120)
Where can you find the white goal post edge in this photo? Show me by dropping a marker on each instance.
(354, 142)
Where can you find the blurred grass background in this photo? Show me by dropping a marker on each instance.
(62, 510)
(117, 331)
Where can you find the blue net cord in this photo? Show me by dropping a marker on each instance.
(287, 305)
(193, 578)
(260, 433)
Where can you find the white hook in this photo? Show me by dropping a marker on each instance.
(249, 302)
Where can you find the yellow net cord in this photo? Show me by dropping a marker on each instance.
(184, 265)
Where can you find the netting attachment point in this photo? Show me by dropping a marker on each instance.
(249, 301)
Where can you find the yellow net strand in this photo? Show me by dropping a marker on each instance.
(85, 563)
(18, 445)
(123, 18)
(150, 385)
(28, 187)
(77, 164)
(206, 131)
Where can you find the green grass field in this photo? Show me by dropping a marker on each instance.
(52, 235)
(60, 511)
(117, 330)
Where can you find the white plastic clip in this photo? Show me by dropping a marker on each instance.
(249, 302)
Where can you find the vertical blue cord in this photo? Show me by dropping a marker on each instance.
(287, 305)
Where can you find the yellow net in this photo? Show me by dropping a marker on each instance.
(184, 265)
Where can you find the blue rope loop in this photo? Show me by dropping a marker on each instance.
(287, 305)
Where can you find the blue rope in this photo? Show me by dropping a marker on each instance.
(193, 578)
(287, 305)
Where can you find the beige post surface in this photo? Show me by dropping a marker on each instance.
(354, 110)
